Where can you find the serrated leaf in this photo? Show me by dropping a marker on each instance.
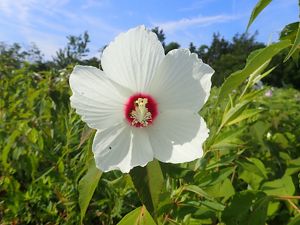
(260, 5)
(255, 66)
(87, 186)
(139, 216)
(148, 182)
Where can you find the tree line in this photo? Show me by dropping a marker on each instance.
(225, 56)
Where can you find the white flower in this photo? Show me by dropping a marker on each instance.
(144, 104)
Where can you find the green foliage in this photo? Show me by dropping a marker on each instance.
(260, 5)
(296, 44)
(249, 173)
(255, 65)
(139, 216)
(226, 56)
(149, 183)
(75, 50)
(161, 37)
(87, 186)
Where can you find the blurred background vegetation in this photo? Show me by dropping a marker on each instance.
(46, 148)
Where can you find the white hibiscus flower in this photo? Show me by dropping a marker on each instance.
(144, 104)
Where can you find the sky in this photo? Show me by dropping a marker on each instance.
(47, 22)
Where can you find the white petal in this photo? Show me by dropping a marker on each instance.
(177, 136)
(182, 81)
(132, 58)
(121, 147)
(98, 100)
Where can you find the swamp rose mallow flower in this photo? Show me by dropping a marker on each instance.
(144, 104)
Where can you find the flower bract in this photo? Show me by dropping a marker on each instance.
(144, 104)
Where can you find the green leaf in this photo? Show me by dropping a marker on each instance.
(255, 66)
(293, 166)
(283, 186)
(295, 46)
(289, 31)
(139, 216)
(253, 172)
(148, 182)
(87, 186)
(206, 180)
(223, 189)
(233, 113)
(33, 135)
(228, 139)
(7, 147)
(259, 213)
(213, 205)
(248, 113)
(260, 5)
(247, 207)
(197, 190)
(255, 166)
(295, 220)
(176, 171)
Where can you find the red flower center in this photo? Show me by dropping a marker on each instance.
(140, 110)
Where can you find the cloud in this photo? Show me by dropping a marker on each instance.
(172, 26)
(93, 3)
(196, 5)
(48, 22)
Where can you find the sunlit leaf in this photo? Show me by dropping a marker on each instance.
(87, 186)
(227, 139)
(255, 66)
(260, 5)
(148, 182)
(295, 46)
(289, 31)
(223, 189)
(139, 216)
(293, 166)
(248, 113)
(7, 147)
(283, 186)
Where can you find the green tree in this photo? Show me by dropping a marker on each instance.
(171, 46)
(162, 37)
(160, 34)
(228, 56)
(75, 50)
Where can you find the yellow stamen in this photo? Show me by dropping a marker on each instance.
(140, 114)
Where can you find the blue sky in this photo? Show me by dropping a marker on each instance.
(48, 22)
